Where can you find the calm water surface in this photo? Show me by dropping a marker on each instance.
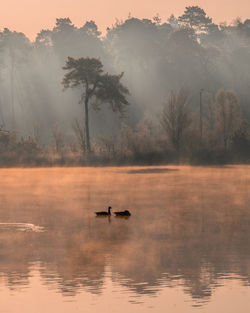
(186, 247)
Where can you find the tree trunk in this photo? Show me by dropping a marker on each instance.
(88, 147)
(12, 92)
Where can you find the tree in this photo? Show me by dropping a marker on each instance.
(194, 17)
(228, 114)
(17, 47)
(175, 117)
(241, 143)
(91, 28)
(66, 39)
(97, 87)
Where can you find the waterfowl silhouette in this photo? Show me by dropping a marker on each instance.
(123, 213)
(104, 213)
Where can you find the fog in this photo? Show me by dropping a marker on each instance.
(188, 228)
(155, 56)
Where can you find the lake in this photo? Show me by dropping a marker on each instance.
(185, 248)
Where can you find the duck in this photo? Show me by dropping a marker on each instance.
(104, 213)
(123, 213)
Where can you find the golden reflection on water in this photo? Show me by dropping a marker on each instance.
(190, 227)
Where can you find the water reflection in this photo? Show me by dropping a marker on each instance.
(151, 170)
(188, 227)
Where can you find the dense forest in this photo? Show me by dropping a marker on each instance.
(144, 92)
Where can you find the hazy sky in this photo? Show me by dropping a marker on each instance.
(30, 16)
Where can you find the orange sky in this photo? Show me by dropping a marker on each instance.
(30, 16)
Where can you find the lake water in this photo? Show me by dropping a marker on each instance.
(186, 247)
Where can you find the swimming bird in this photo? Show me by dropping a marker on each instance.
(104, 213)
(123, 213)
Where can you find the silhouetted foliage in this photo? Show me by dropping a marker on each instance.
(195, 17)
(157, 57)
(175, 118)
(88, 73)
(241, 143)
(228, 114)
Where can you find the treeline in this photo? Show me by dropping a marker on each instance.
(187, 82)
(216, 133)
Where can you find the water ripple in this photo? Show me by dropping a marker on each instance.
(26, 227)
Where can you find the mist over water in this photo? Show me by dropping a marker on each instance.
(184, 247)
(156, 92)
